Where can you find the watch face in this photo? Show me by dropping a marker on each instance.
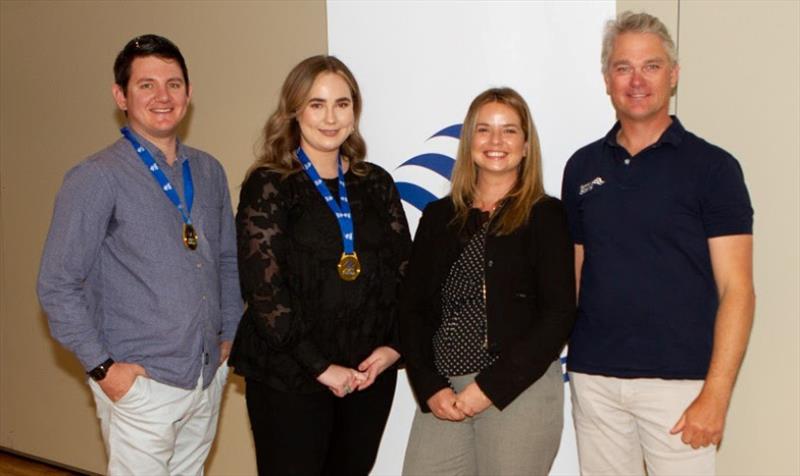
(99, 373)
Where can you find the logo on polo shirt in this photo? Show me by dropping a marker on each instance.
(588, 186)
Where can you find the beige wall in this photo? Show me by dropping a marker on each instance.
(738, 88)
(55, 82)
(741, 88)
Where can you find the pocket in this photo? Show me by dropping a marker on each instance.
(134, 393)
(221, 377)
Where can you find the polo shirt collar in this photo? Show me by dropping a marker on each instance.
(673, 135)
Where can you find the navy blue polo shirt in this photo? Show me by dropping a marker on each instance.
(648, 299)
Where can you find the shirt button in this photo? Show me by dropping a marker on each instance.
(203, 298)
(627, 161)
(489, 264)
(199, 265)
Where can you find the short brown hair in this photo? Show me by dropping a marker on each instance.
(629, 22)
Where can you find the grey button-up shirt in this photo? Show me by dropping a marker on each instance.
(115, 278)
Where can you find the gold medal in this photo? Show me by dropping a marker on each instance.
(189, 237)
(349, 267)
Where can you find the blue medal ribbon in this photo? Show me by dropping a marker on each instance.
(166, 186)
(349, 266)
(341, 210)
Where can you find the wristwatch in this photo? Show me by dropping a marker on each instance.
(99, 373)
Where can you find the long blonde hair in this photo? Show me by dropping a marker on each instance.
(281, 136)
(529, 187)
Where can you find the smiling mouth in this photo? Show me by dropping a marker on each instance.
(329, 132)
(495, 154)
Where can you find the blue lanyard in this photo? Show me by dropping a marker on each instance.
(340, 210)
(163, 181)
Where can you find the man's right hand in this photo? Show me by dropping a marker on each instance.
(119, 379)
(443, 405)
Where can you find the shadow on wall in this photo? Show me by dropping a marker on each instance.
(235, 384)
(64, 360)
(67, 363)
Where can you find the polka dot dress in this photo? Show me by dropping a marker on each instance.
(459, 345)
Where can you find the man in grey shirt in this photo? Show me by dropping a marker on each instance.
(139, 275)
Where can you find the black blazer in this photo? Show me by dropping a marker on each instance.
(530, 299)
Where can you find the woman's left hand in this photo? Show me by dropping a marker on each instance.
(379, 360)
(472, 400)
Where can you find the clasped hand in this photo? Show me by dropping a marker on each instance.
(343, 380)
(447, 405)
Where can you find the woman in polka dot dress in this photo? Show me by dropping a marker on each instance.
(488, 303)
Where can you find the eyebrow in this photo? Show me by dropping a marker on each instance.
(656, 59)
(343, 98)
(147, 78)
(509, 124)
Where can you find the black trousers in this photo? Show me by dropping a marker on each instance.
(319, 433)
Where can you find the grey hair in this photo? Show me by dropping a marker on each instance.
(629, 22)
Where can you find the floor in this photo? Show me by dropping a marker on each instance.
(13, 465)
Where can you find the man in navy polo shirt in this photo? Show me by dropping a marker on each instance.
(662, 226)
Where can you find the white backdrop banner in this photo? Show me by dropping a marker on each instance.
(420, 64)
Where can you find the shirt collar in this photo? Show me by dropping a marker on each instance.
(180, 150)
(672, 135)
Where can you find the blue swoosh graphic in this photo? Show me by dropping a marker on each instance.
(441, 164)
(453, 131)
(417, 196)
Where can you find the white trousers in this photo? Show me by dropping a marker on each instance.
(622, 425)
(157, 429)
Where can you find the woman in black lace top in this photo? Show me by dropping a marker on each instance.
(488, 303)
(317, 344)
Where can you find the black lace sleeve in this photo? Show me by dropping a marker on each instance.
(399, 241)
(263, 245)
